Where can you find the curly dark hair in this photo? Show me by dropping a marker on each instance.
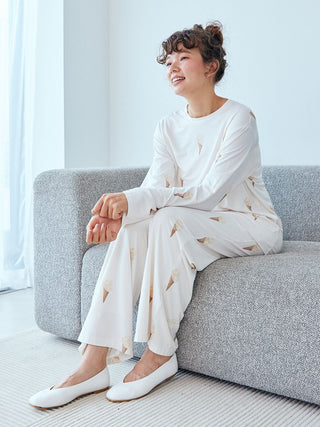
(209, 40)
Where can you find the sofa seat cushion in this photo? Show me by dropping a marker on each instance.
(252, 320)
(296, 259)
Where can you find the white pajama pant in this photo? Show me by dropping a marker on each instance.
(157, 259)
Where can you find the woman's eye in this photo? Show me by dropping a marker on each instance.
(169, 63)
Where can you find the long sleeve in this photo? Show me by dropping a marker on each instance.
(239, 155)
(162, 173)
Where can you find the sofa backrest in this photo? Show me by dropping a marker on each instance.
(295, 193)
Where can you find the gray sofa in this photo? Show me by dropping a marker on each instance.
(252, 320)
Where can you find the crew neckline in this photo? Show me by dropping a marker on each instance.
(208, 116)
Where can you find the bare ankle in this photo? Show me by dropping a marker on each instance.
(93, 358)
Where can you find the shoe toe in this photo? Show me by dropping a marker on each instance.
(135, 389)
(45, 398)
(50, 398)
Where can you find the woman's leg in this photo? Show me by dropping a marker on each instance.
(182, 241)
(159, 257)
(109, 320)
(106, 335)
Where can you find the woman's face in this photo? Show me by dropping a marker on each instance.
(186, 71)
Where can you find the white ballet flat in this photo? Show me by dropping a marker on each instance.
(52, 398)
(134, 389)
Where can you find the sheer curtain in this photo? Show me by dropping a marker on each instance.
(17, 53)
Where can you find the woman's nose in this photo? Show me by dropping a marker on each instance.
(174, 67)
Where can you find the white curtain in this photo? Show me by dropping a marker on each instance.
(17, 71)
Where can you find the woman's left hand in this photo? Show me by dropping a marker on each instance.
(111, 205)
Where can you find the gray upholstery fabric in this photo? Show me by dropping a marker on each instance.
(63, 200)
(295, 193)
(252, 320)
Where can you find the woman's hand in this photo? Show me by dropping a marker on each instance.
(111, 205)
(102, 230)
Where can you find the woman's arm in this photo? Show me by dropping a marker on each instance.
(240, 155)
(161, 174)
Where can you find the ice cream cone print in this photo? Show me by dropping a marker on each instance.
(256, 216)
(173, 278)
(187, 195)
(168, 180)
(177, 226)
(252, 114)
(180, 176)
(105, 294)
(252, 248)
(193, 267)
(126, 342)
(200, 145)
(252, 180)
(216, 218)
(205, 240)
(132, 254)
(107, 286)
(248, 203)
(218, 157)
(151, 293)
(151, 330)
(152, 211)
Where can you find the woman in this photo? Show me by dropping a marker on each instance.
(202, 199)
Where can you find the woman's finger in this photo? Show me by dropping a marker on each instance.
(103, 233)
(97, 207)
(107, 233)
(96, 234)
(89, 237)
(104, 209)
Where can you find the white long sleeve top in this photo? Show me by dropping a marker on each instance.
(211, 163)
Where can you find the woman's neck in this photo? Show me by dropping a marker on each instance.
(204, 105)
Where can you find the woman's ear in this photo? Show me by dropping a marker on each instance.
(212, 68)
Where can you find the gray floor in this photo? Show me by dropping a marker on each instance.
(16, 312)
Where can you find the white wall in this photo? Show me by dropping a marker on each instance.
(71, 85)
(49, 88)
(97, 105)
(86, 83)
(273, 67)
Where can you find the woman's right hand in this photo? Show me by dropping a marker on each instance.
(101, 230)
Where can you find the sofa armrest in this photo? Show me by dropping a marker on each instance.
(63, 199)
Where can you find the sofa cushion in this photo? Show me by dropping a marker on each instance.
(295, 194)
(296, 258)
(252, 320)
(260, 276)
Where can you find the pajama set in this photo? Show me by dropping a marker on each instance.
(202, 199)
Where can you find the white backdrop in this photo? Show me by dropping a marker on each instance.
(109, 92)
(274, 68)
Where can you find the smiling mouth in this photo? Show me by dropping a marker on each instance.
(177, 80)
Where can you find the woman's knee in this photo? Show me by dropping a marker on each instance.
(137, 227)
(166, 215)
